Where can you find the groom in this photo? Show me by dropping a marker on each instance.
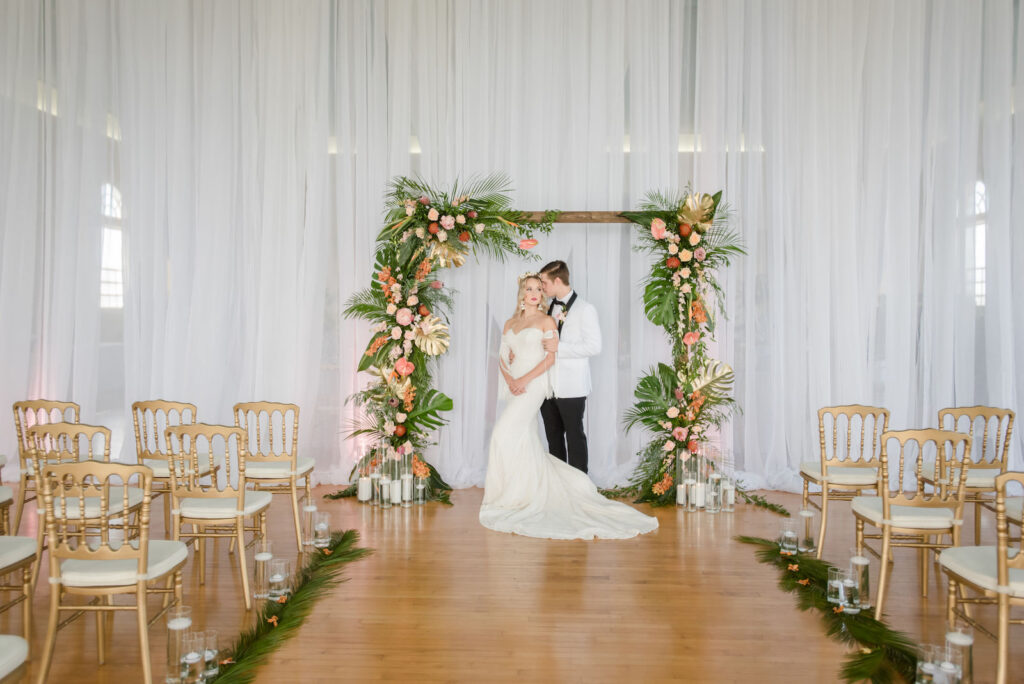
(579, 338)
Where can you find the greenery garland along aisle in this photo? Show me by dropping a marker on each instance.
(426, 230)
(681, 403)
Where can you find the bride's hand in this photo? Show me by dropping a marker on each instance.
(517, 386)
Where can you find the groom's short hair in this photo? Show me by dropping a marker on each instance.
(556, 269)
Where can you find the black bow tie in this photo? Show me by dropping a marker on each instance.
(558, 301)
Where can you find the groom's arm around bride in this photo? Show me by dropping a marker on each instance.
(579, 338)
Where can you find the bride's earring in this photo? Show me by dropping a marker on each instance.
(522, 306)
(540, 306)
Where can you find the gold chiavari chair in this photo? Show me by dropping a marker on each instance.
(990, 452)
(27, 414)
(994, 572)
(93, 550)
(215, 506)
(18, 558)
(151, 419)
(918, 519)
(848, 463)
(13, 658)
(272, 462)
(57, 443)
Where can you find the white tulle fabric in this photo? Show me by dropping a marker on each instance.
(530, 492)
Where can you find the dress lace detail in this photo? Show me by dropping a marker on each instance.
(530, 492)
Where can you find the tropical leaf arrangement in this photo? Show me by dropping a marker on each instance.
(678, 404)
(407, 304)
(882, 655)
(278, 621)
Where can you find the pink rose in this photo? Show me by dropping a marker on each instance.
(424, 200)
(658, 229)
(432, 214)
(668, 446)
(471, 214)
(447, 222)
(527, 244)
(699, 254)
(690, 338)
(403, 316)
(404, 367)
(679, 393)
(680, 434)
(436, 284)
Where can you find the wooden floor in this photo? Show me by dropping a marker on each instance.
(443, 599)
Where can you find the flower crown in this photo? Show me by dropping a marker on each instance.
(528, 274)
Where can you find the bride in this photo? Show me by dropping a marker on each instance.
(528, 491)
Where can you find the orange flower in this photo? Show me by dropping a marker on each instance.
(785, 553)
(805, 581)
(663, 486)
(327, 552)
(793, 566)
(377, 344)
(409, 397)
(419, 468)
(272, 620)
(385, 274)
(837, 609)
(697, 312)
(283, 599)
(228, 661)
(423, 270)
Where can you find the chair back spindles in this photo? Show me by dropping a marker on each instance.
(152, 418)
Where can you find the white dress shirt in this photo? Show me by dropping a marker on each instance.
(579, 339)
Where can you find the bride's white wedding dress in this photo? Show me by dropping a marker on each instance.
(530, 492)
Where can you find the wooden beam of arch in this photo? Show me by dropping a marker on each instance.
(581, 217)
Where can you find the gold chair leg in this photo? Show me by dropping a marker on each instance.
(295, 514)
(1003, 642)
(147, 667)
(39, 551)
(51, 633)
(177, 587)
(951, 604)
(239, 531)
(824, 518)
(26, 605)
(859, 536)
(20, 503)
(101, 644)
(200, 553)
(977, 523)
(884, 565)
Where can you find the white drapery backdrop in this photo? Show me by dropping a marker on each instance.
(251, 143)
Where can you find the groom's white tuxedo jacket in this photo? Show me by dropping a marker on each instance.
(579, 339)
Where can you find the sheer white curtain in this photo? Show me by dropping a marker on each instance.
(252, 143)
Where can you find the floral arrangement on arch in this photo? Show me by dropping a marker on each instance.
(426, 230)
(680, 403)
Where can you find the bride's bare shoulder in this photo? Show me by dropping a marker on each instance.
(508, 325)
(548, 323)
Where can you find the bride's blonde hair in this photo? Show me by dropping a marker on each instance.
(520, 305)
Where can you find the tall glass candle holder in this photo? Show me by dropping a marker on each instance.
(262, 556)
(700, 493)
(690, 482)
(308, 512)
(179, 622)
(960, 640)
(807, 519)
(860, 566)
(407, 479)
(364, 490)
(419, 491)
(375, 475)
(728, 493)
(713, 504)
(396, 480)
(680, 480)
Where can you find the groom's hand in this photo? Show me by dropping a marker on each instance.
(550, 344)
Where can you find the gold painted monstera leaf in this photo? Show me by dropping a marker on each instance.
(696, 209)
(447, 255)
(432, 336)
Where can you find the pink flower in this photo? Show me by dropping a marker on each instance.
(425, 200)
(658, 229)
(527, 244)
(460, 219)
(690, 338)
(699, 254)
(680, 434)
(432, 214)
(447, 222)
(679, 393)
(668, 446)
(471, 214)
(404, 367)
(436, 284)
(673, 412)
(403, 316)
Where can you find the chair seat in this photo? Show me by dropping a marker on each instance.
(6, 494)
(977, 478)
(13, 652)
(222, 508)
(979, 565)
(276, 470)
(92, 504)
(162, 470)
(164, 556)
(15, 549)
(910, 517)
(851, 476)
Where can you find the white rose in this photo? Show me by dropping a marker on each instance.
(669, 445)
(389, 427)
(432, 214)
(685, 273)
(413, 300)
(442, 235)
(407, 347)
(400, 417)
(391, 309)
(409, 210)
(672, 412)
(685, 288)
(460, 219)
(419, 233)
(673, 249)
(396, 333)
(409, 334)
(685, 255)
(479, 227)
(694, 238)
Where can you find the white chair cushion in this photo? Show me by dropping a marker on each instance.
(6, 494)
(979, 565)
(92, 504)
(1015, 508)
(851, 476)
(13, 652)
(910, 517)
(219, 509)
(15, 549)
(164, 555)
(276, 470)
(162, 470)
(977, 478)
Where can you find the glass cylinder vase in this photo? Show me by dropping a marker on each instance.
(407, 480)
(179, 622)
(419, 491)
(807, 519)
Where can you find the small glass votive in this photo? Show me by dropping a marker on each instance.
(860, 566)
(808, 531)
(193, 664)
(308, 511)
(788, 537)
(212, 651)
(280, 578)
(321, 529)
(691, 493)
(928, 660)
(179, 622)
(960, 639)
(850, 594)
(261, 568)
(375, 482)
(834, 588)
(713, 502)
(419, 495)
(950, 667)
